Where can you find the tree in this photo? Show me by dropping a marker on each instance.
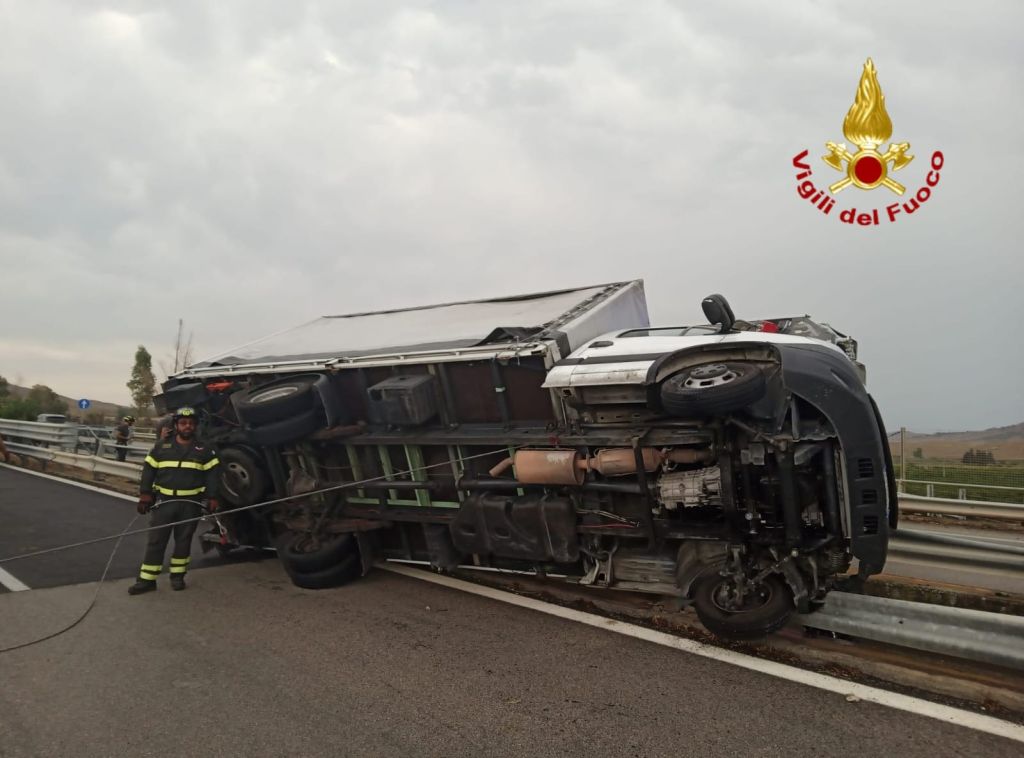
(143, 383)
(46, 399)
(978, 457)
(18, 409)
(182, 352)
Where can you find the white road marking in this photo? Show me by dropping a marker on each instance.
(11, 582)
(895, 700)
(69, 481)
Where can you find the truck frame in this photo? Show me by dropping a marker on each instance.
(741, 466)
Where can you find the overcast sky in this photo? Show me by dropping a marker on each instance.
(250, 165)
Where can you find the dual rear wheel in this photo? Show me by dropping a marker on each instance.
(316, 563)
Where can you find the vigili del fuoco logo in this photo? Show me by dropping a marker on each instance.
(867, 125)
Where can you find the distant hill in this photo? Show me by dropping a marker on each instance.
(1006, 443)
(109, 411)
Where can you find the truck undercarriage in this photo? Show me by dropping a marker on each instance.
(743, 477)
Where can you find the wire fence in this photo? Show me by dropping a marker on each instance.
(956, 467)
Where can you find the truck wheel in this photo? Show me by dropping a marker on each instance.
(307, 553)
(330, 565)
(288, 430)
(276, 401)
(712, 389)
(347, 571)
(242, 481)
(765, 608)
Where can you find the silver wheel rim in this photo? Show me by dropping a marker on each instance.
(757, 597)
(274, 394)
(712, 375)
(237, 478)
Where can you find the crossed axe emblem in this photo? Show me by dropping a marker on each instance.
(877, 173)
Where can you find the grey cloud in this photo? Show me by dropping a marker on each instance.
(248, 166)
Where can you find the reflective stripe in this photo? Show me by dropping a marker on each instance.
(177, 493)
(152, 568)
(179, 569)
(148, 576)
(180, 561)
(152, 461)
(184, 464)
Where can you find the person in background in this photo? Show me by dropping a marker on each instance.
(122, 433)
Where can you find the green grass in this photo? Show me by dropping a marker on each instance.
(1000, 474)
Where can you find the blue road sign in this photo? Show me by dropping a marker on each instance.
(83, 403)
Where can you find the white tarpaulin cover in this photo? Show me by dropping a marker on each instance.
(580, 314)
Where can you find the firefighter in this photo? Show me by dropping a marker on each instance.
(179, 481)
(122, 433)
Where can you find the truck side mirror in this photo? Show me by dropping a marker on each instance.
(717, 311)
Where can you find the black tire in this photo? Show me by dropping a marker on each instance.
(306, 554)
(712, 389)
(288, 430)
(772, 609)
(242, 480)
(347, 571)
(277, 401)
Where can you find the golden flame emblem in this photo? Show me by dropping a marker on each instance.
(867, 125)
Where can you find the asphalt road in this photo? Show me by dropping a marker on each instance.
(244, 663)
(38, 513)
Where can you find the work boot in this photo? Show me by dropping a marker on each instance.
(177, 582)
(142, 585)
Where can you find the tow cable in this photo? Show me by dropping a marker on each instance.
(206, 516)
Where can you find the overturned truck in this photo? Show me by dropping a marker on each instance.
(739, 464)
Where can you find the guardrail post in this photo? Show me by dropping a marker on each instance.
(929, 490)
(961, 493)
(903, 452)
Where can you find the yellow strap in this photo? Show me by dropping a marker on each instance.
(148, 576)
(152, 461)
(177, 493)
(151, 568)
(179, 569)
(210, 464)
(179, 561)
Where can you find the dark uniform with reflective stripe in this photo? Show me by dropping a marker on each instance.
(180, 476)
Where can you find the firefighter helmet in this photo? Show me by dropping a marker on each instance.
(185, 412)
(129, 419)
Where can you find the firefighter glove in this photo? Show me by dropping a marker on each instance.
(145, 503)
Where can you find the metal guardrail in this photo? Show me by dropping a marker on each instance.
(72, 438)
(976, 508)
(88, 462)
(1000, 556)
(961, 485)
(975, 635)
